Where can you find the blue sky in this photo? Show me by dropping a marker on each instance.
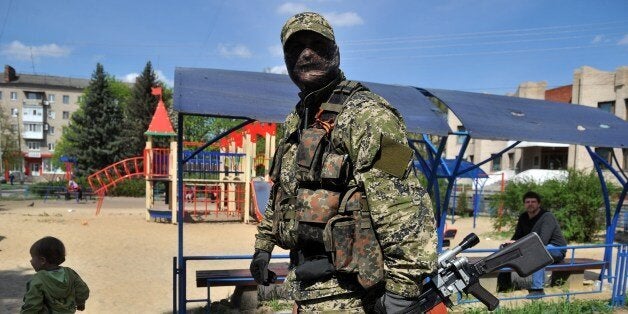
(482, 46)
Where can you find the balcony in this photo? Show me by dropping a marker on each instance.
(33, 114)
(33, 102)
(33, 135)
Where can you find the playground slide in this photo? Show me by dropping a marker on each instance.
(261, 192)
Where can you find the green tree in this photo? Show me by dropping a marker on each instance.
(94, 134)
(9, 148)
(139, 110)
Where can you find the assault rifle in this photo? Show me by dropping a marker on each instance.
(455, 274)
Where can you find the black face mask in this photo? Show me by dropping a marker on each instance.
(311, 59)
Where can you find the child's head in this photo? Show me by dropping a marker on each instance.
(47, 252)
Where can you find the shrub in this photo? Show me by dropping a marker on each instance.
(463, 202)
(131, 188)
(575, 202)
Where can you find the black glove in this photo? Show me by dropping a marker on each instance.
(314, 269)
(259, 268)
(391, 303)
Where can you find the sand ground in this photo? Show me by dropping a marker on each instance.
(127, 261)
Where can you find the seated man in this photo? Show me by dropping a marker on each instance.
(74, 187)
(536, 219)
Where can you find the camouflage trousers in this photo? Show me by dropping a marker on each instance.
(354, 303)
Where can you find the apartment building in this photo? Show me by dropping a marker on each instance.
(38, 107)
(591, 87)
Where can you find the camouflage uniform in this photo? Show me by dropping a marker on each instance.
(400, 208)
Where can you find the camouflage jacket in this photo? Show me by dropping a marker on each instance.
(400, 208)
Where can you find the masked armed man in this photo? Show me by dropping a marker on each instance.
(345, 200)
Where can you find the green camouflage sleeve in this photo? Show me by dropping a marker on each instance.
(264, 239)
(400, 207)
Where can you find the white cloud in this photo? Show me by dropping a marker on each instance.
(623, 41)
(278, 69)
(162, 77)
(343, 19)
(130, 78)
(597, 39)
(234, 50)
(19, 51)
(291, 8)
(334, 18)
(276, 50)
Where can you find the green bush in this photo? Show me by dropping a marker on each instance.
(130, 188)
(463, 203)
(575, 202)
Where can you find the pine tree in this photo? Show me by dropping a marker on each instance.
(139, 111)
(93, 135)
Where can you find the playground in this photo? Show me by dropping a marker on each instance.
(127, 262)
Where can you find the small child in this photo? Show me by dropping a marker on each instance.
(53, 289)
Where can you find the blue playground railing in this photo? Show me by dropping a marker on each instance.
(618, 279)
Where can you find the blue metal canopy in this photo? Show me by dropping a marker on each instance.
(494, 117)
(270, 97)
(446, 167)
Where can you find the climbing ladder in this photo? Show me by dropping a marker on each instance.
(113, 174)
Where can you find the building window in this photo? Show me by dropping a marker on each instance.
(0, 95)
(32, 95)
(15, 112)
(51, 146)
(51, 97)
(47, 164)
(13, 127)
(605, 153)
(460, 138)
(535, 163)
(608, 106)
(34, 145)
(66, 99)
(51, 115)
(51, 129)
(13, 95)
(66, 115)
(511, 161)
(497, 164)
(33, 127)
(80, 99)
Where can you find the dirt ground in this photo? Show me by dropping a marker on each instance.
(127, 261)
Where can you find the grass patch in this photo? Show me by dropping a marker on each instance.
(554, 307)
(497, 235)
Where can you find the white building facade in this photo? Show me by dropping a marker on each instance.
(38, 107)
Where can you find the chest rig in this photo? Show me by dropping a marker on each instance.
(328, 220)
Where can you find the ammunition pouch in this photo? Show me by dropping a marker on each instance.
(285, 224)
(351, 241)
(310, 151)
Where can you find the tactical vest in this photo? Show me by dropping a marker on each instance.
(329, 218)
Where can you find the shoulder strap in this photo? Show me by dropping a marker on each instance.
(328, 111)
(341, 94)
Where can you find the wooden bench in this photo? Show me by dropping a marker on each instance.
(569, 272)
(245, 294)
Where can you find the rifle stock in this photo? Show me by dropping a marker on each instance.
(455, 274)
